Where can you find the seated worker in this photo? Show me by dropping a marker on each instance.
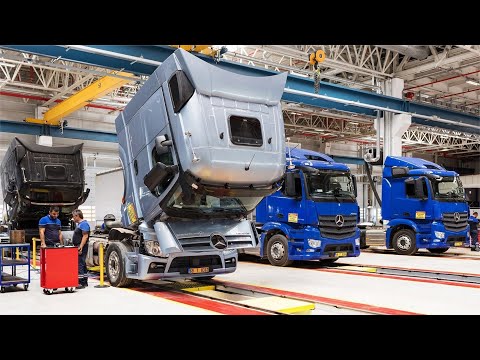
(49, 228)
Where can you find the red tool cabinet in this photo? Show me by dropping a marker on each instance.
(58, 268)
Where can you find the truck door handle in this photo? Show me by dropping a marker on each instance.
(280, 216)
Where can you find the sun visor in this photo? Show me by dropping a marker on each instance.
(214, 81)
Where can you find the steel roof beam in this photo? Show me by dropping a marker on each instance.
(17, 127)
(149, 54)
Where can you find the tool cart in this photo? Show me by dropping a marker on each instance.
(12, 257)
(58, 268)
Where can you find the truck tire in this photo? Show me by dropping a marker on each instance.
(438, 250)
(115, 265)
(277, 251)
(404, 242)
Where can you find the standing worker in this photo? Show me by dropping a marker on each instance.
(50, 227)
(80, 239)
(473, 222)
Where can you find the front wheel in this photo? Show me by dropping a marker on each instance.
(404, 242)
(438, 250)
(277, 251)
(115, 265)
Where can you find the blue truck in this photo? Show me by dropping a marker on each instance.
(423, 206)
(313, 216)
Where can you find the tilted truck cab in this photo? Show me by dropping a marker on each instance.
(200, 147)
(314, 215)
(423, 206)
(35, 177)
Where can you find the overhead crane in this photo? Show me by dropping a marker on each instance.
(103, 86)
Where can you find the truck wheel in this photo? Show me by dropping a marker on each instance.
(277, 251)
(438, 250)
(115, 265)
(404, 242)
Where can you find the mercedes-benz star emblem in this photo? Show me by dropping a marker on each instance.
(218, 241)
(456, 217)
(339, 220)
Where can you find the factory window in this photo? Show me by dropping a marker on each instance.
(245, 131)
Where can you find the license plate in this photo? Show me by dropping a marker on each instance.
(458, 243)
(199, 270)
(340, 254)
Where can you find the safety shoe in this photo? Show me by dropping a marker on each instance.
(80, 287)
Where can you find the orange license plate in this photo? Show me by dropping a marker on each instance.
(458, 243)
(199, 270)
(340, 254)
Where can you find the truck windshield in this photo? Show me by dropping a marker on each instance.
(210, 206)
(328, 185)
(448, 189)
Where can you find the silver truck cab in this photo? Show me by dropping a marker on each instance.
(200, 147)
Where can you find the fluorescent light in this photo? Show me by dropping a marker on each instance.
(473, 82)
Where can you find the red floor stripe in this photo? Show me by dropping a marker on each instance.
(432, 256)
(413, 269)
(216, 306)
(321, 299)
(405, 278)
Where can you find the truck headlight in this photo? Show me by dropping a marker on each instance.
(440, 234)
(153, 247)
(314, 243)
(357, 242)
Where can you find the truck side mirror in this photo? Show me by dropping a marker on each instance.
(399, 171)
(354, 180)
(420, 186)
(159, 173)
(290, 184)
(162, 144)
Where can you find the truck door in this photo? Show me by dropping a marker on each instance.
(290, 207)
(414, 203)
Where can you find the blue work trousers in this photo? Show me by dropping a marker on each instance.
(82, 267)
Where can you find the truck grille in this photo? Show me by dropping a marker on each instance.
(452, 225)
(202, 243)
(330, 229)
(182, 264)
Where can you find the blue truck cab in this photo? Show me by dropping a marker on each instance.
(313, 216)
(423, 206)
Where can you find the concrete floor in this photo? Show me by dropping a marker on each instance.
(89, 301)
(414, 296)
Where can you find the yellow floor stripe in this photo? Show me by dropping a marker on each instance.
(200, 288)
(358, 268)
(298, 309)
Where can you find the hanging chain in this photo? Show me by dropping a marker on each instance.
(315, 59)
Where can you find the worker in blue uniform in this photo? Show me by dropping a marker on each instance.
(473, 222)
(80, 239)
(50, 228)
